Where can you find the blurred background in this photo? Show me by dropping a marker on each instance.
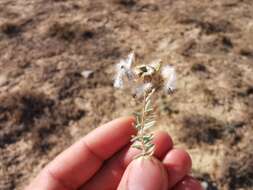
(57, 61)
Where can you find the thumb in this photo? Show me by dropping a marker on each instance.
(144, 174)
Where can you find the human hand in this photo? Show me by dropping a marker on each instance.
(104, 160)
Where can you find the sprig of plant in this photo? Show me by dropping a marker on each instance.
(144, 121)
(143, 81)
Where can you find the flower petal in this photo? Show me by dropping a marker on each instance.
(129, 61)
(169, 75)
(118, 80)
(123, 70)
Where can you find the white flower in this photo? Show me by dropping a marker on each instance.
(169, 75)
(143, 78)
(123, 70)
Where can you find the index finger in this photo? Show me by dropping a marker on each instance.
(80, 162)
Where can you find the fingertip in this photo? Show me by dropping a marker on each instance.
(163, 143)
(127, 121)
(188, 183)
(130, 119)
(144, 173)
(178, 163)
(178, 158)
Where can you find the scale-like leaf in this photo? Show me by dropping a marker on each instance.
(137, 146)
(138, 126)
(137, 116)
(136, 138)
(148, 105)
(149, 110)
(149, 124)
(150, 119)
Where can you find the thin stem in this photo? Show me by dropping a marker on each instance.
(142, 125)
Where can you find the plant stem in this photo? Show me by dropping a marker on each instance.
(142, 125)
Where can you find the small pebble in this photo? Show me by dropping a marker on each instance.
(87, 73)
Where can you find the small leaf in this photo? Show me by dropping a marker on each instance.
(136, 138)
(138, 126)
(148, 105)
(150, 149)
(149, 153)
(137, 147)
(147, 139)
(150, 118)
(137, 116)
(150, 145)
(147, 136)
(147, 98)
(150, 94)
(148, 110)
(149, 124)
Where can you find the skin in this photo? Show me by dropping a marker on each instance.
(104, 160)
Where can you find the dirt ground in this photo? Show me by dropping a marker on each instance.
(46, 103)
